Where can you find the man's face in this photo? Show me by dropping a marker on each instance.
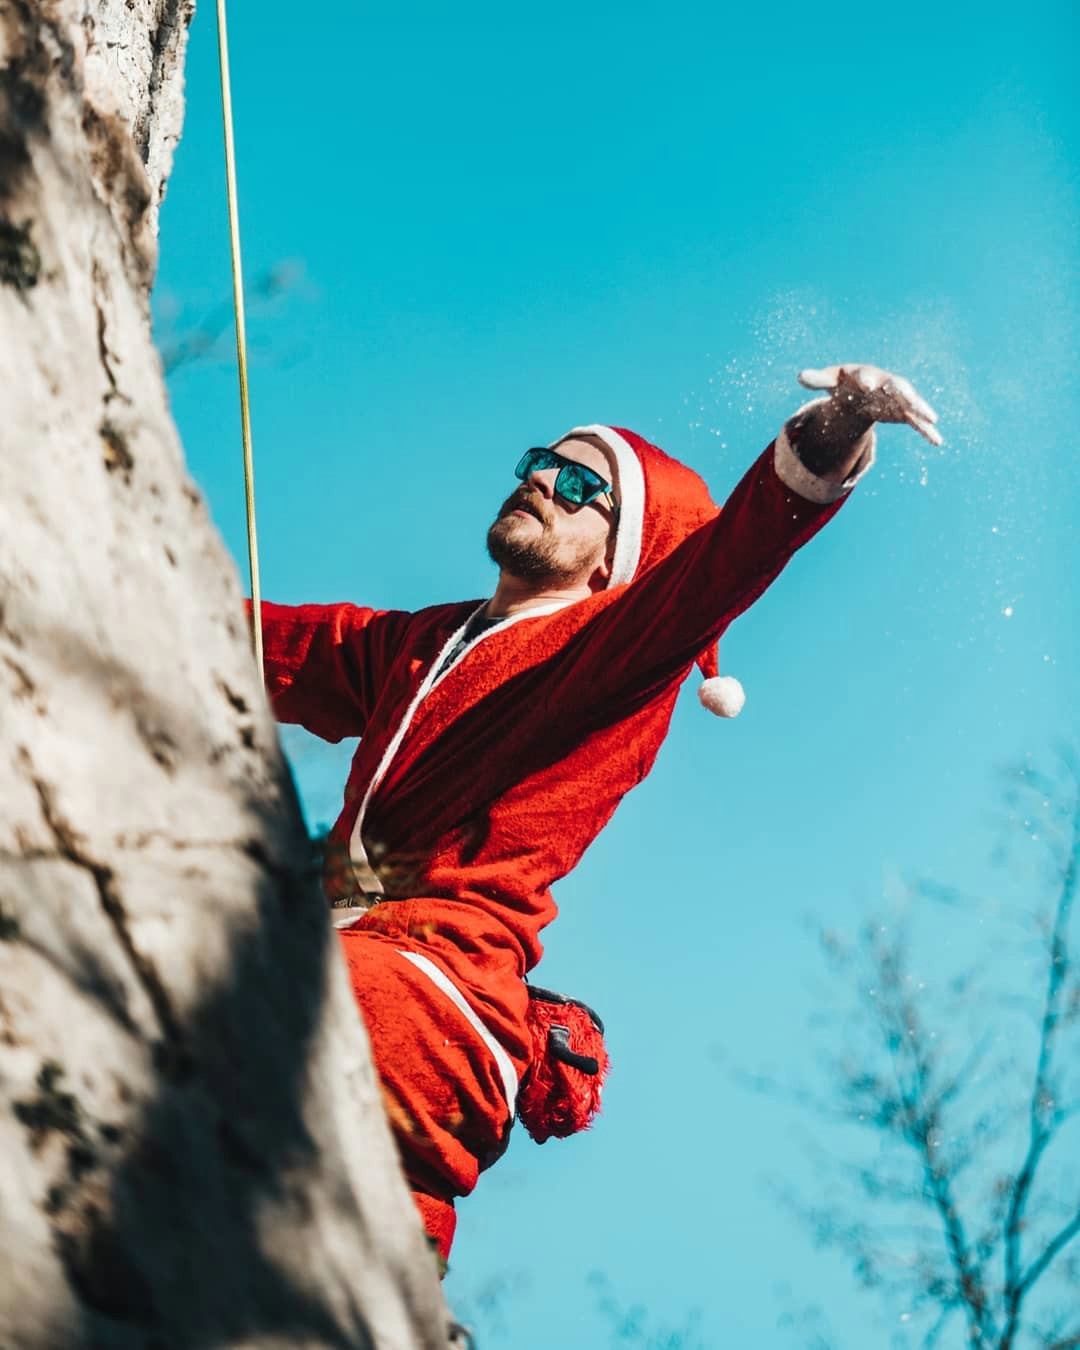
(539, 537)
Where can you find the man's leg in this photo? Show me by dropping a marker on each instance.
(445, 1096)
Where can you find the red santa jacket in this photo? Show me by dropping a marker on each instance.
(472, 793)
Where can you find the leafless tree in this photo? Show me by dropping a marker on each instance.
(957, 1099)
(634, 1324)
(184, 341)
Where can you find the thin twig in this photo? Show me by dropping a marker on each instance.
(1040, 1131)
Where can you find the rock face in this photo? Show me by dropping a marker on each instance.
(192, 1147)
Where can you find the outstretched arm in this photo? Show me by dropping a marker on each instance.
(658, 624)
(324, 665)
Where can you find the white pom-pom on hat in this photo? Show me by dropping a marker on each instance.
(722, 695)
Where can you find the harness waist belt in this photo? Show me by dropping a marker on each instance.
(346, 909)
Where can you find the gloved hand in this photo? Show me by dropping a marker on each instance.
(866, 394)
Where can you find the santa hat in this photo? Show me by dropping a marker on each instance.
(661, 502)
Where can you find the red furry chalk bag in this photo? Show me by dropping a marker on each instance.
(560, 1094)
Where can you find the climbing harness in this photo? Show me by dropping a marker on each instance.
(241, 335)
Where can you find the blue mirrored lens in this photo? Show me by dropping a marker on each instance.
(533, 461)
(575, 483)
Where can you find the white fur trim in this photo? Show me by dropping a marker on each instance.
(503, 1062)
(629, 482)
(722, 695)
(794, 474)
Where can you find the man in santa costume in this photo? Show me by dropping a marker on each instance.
(497, 736)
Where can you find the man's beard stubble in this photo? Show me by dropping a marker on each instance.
(530, 556)
(527, 559)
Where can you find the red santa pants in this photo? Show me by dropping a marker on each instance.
(445, 1087)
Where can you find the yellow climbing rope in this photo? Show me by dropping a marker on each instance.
(241, 335)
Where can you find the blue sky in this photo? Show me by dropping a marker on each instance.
(501, 224)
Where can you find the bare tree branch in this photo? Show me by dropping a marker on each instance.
(1043, 1115)
(200, 340)
(958, 1109)
(1056, 1244)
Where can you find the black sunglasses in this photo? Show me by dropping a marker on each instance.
(575, 483)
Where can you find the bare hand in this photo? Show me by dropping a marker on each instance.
(876, 395)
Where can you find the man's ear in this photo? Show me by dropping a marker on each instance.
(602, 574)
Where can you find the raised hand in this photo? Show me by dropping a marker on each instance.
(875, 395)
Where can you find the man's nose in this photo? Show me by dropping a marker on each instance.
(544, 481)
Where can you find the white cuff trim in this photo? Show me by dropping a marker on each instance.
(794, 474)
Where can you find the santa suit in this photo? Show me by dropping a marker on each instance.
(476, 787)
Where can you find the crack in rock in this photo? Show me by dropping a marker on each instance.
(172, 1055)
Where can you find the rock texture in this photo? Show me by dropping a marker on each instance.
(192, 1148)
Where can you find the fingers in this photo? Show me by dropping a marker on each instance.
(905, 405)
(820, 379)
(925, 428)
(913, 400)
(878, 394)
(856, 375)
